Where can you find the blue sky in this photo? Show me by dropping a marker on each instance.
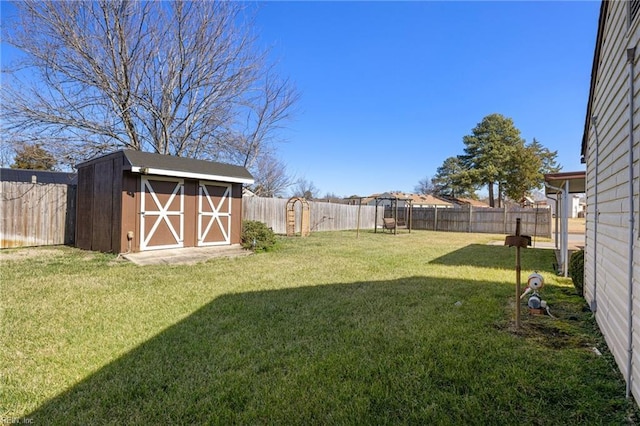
(390, 88)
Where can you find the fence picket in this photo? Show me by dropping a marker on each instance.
(35, 214)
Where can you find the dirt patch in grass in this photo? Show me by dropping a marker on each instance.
(553, 334)
(30, 253)
(44, 253)
(569, 327)
(547, 332)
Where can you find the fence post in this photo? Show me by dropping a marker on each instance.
(504, 220)
(470, 217)
(435, 219)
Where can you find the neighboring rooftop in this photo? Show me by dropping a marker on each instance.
(38, 176)
(422, 199)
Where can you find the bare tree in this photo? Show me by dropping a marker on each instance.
(7, 153)
(270, 107)
(177, 78)
(305, 189)
(424, 186)
(271, 178)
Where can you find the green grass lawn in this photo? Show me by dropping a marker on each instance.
(414, 328)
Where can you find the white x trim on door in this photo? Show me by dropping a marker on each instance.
(160, 213)
(209, 219)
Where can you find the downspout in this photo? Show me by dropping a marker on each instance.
(596, 219)
(560, 209)
(557, 212)
(565, 229)
(631, 53)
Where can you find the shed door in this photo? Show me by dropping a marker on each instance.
(214, 214)
(162, 213)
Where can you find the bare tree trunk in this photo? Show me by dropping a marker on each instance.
(491, 199)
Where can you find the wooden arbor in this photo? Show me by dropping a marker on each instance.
(305, 219)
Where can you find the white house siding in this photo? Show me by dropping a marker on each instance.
(609, 256)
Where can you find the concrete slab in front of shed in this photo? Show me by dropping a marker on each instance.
(185, 256)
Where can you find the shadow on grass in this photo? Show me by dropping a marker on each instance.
(367, 352)
(489, 256)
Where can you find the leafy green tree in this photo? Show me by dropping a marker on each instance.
(548, 158)
(33, 157)
(452, 179)
(529, 164)
(489, 152)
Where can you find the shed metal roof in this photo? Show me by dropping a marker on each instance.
(169, 165)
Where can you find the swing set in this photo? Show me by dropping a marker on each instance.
(394, 216)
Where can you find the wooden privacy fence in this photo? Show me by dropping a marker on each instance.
(324, 216)
(534, 221)
(37, 214)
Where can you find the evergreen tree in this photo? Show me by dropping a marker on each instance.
(489, 152)
(452, 179)
(529, 165)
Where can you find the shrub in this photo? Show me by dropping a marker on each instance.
(257, 236)
(576, 270)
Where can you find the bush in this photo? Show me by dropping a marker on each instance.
(257, 236)
(576, 271)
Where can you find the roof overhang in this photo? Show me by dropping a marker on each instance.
(147, 163)
(190, 175)
(594, 78)
(557, 182)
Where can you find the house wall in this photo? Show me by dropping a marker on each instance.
(607, 253)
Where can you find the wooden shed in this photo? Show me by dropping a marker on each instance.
(137, 201)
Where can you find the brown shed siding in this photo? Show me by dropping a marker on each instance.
(130, 211)
(103, 207)
(84, 213)
(190, 212)
(99, 205)
(236, 216)
(116, 207)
